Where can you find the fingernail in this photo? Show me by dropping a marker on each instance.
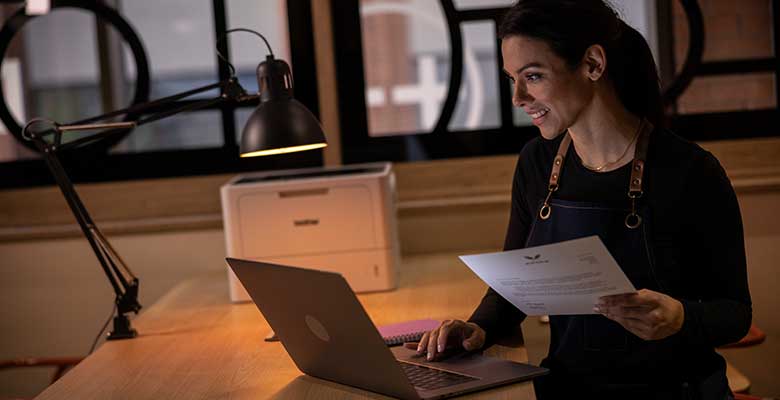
(440, 348)
(597, 310)
(419, 348)
(430, 357)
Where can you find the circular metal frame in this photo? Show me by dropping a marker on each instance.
(15, 23)
(545, 211)
(693, 57)
(456, 66)
(633, 220)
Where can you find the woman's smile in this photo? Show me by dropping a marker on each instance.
(538, 115)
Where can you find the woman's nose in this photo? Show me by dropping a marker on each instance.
(520, 96)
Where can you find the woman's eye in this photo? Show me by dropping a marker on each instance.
(533, 77)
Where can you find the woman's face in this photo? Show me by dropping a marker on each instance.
(544, 86)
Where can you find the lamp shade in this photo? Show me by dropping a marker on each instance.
(281, 126)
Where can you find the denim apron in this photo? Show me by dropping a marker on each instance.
(591, 355)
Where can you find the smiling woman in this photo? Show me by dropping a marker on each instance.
(588, 80)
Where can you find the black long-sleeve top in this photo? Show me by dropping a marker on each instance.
(696, 233)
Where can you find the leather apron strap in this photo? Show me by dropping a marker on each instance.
(555, 175)
(633, 220)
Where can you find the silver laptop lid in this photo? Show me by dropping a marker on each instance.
(323, 326)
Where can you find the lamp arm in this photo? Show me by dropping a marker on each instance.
(162, 108)
(112, 128)
(142, 107)
(121, 278)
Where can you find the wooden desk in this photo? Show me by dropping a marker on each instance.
(194, 344)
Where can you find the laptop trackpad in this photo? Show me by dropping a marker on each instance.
(475, 365)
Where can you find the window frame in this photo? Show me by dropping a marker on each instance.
(440, 142)
(724, 125)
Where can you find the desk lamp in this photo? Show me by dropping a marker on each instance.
(279, 124)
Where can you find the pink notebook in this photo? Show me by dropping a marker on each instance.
(409, 331)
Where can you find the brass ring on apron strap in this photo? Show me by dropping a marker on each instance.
(633, 220)
(546, 210)
(635, 190)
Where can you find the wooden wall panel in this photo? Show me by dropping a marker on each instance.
(433, 197)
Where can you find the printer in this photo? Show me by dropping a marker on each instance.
(340, 219)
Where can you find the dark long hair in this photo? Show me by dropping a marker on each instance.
(569, 27)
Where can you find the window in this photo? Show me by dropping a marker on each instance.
(430, 84)
(733, 92)
(68, 65)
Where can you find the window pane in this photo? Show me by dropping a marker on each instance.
(11, 79)
(247, 51)
(477, 105)
(201, 129)
(729, 93)
(733, 30)
(642, 16)
(406, 49)
(58, 79)
(178, 36)
(406, 62)
(62, 79)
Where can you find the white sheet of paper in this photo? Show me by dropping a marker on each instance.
(564, 278)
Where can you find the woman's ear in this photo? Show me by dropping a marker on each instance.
(594, 62)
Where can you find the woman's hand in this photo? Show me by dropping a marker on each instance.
(450, 334)
(647, 314)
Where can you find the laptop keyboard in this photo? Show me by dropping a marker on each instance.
(430, 378)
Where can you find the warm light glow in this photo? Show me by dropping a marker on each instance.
(284, 150)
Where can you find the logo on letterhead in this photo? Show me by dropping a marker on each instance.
(535, 259)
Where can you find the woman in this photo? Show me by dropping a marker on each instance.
(663, 206)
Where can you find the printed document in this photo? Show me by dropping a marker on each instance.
(564, 278)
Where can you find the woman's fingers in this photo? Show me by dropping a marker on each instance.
(450, 335)
(647, 314)
(635, 326)
(628, 312)
(444, 334)
(475, 340)
(433, 341)
(423, 344)
(643, 297)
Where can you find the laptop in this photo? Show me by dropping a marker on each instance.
(328, 335)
